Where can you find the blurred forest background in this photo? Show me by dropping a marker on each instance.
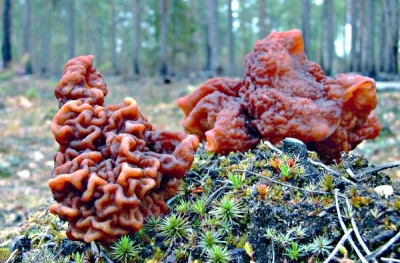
(185, 38)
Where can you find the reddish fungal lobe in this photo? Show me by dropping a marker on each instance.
(282, 94)
(112, 169)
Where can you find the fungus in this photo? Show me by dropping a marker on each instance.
(112, 168)
(281, 95)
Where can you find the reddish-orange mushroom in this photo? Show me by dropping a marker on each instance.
(283, 95)
(112, 169)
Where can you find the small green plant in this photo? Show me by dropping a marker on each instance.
(199, 207)
(218, 254)
(327, 183)
(173, 227)
(321, 245)
(228, 209)
(285, 170)
(78, 257)
(142, 235)
(293, 252)
(299, 232)
(270, 233)
(284, 239)
(4, 254)
(124, 250)
(348, 212)
(152, 223)
(209, 239)
(183, 206)
(299, 170)
(236, 180)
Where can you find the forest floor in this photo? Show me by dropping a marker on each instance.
(27, 105)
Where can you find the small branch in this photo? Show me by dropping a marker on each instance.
(352, 175)
(383, 248)
(215, 194)
(280, 183)
(390, 260)
(339, 244)
(272, 147)
(12, 256)
(342, 224)
(324, 166)
(354, 225)
(377, 169)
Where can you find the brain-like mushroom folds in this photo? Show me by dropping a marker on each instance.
(283, 95)
(112, 169)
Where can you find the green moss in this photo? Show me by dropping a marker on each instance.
(4, 254)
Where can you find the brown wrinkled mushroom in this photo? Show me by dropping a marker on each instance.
(283, 95)
(112, 169)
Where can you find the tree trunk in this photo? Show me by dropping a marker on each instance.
(231, 44)
(27, 36)
(114, 55)
(163, 38)
(213, 37)
(71, 28)
(391, 20)
(355, 41)
(261, 19)
(45, 39)
(305, 24)
(327, 36)
(136, 36)
(368, 61)
(6, 47)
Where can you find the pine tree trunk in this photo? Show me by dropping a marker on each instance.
(231, 44)
(6, 47)
(45, 40)
(163, 38)
(355, 41)
(27, 36)
(391, 20)
(261, 19)
(71, 28)
(305, 24)
(368, 59)
(136, 36)
(114, 55)
(213, 36)
(327, 36)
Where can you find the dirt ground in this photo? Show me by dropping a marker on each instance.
(27, 105)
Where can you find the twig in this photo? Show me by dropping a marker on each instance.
(283, 184)
(390, 260)
(338, 245)
(214, 194)
(352, 175)
(273, 251)
(383, 248)
(12, 256)
(342, 224)
(272, 147)
(377, 169)
(330, 170)
(323, 166)
(354, 225)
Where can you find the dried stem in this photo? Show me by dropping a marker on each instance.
(338, 245)
(343, 225)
